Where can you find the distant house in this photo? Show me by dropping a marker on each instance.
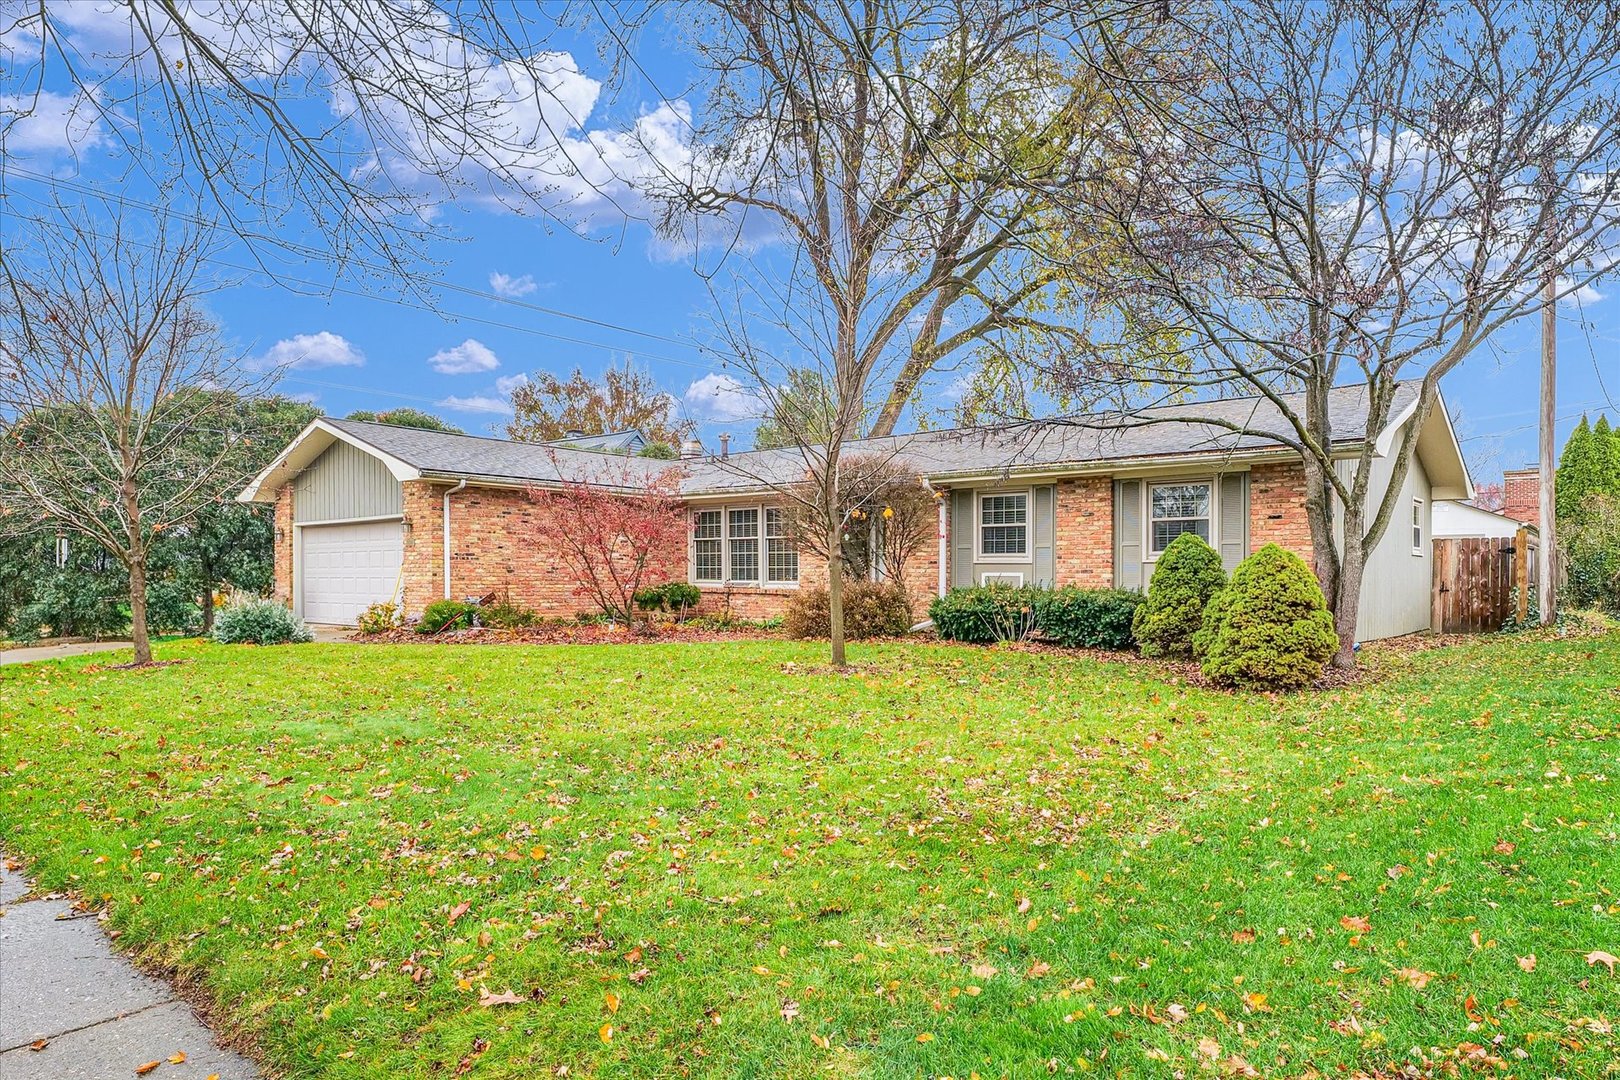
(1521, 494)
(1460, 520)
(612, 442)
(366, 512)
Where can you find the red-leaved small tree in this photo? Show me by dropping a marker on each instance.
(617, 532)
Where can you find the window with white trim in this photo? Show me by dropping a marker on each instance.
(1417, 526)
(1174, 509)
(743, 545)
(708, 547)
(1004, 525)
(781, 557)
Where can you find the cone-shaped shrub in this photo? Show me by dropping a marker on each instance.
(1188, 574)
(1269, 629)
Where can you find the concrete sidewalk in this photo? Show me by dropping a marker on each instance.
(57, 652)
(61, 983)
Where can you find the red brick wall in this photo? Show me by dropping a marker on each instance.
(282, 589)
(1084, 553)
(424, 544)
(1277, 508)
(1521, 495)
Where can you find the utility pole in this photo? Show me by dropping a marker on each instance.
(1545, 594)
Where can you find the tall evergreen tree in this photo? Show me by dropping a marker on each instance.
(1579, 471)
(1606, 445)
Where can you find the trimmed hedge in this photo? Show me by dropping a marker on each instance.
(442, 615)
(871, 609)
(1188, 575)
(985, 614)
(260, 622)
(1087, 618)
(1269, 629)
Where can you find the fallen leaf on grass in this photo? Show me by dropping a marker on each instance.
(1598, 956)
(821, 1041)
(1527, 963)
(1357, 924)
(925, 1037)
(1471, 1010)
(1236, 1066)
(605, 1033)
(1414, 978)
(1209, 1048)
(984, 971)
(1503, 847)
(790, 1011)
(1243, 937)
(1256, 1001)
(1040, 968)
(457, 912)
(611, 1000)
(489, 1000)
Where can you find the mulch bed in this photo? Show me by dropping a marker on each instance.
(569, 634)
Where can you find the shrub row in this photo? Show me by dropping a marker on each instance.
(1268, 628)
(1070, 616)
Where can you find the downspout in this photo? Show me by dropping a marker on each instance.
(445, 516)
(944, 540)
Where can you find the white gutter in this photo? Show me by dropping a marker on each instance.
(446, 516)
(944, 540)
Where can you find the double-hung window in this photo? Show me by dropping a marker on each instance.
(708, 547)
(781, 558)
(743, 545)
(1004, 525)
(1174, 509)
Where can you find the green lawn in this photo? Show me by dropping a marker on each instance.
(956, 861)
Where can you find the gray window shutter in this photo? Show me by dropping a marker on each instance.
(1234, 519)
(1128, 534)
(1044, 522)
(961, 538)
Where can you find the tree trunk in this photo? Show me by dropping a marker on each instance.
(1346, 602)
(207, 611)
(835, 599)
(137, 609)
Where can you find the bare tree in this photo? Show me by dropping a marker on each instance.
(1351, 193)
(890, 163)
(101, 404)
(359, 114)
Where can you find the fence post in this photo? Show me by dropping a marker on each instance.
(1521, 573)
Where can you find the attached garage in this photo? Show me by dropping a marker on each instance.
(344, 569)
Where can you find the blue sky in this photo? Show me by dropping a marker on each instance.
(634, 302)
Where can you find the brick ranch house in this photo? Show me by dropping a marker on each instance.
(368, 512)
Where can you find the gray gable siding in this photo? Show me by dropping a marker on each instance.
(346, 484)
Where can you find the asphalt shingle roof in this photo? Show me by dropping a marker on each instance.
(1080, 441)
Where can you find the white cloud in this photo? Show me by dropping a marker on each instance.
(721, 397)
(508, 383)
(476, 403)
(322, 349)
(507, 285)
(464, 359)
(50, 123)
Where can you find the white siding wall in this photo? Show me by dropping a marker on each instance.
(1395, 589)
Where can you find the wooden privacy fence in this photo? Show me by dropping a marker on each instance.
(1479, 582)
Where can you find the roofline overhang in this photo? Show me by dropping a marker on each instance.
(1386, 442)
(318, 435)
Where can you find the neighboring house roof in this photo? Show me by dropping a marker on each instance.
(1460, 519)
(611, 442)
(1234, 430)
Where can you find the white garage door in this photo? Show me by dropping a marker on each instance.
(347, 568)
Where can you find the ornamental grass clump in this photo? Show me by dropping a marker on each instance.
(1188, 576)
(1269, 629)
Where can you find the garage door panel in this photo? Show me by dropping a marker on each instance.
(347, 568)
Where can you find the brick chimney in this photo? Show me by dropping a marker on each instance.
(1521, 494)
